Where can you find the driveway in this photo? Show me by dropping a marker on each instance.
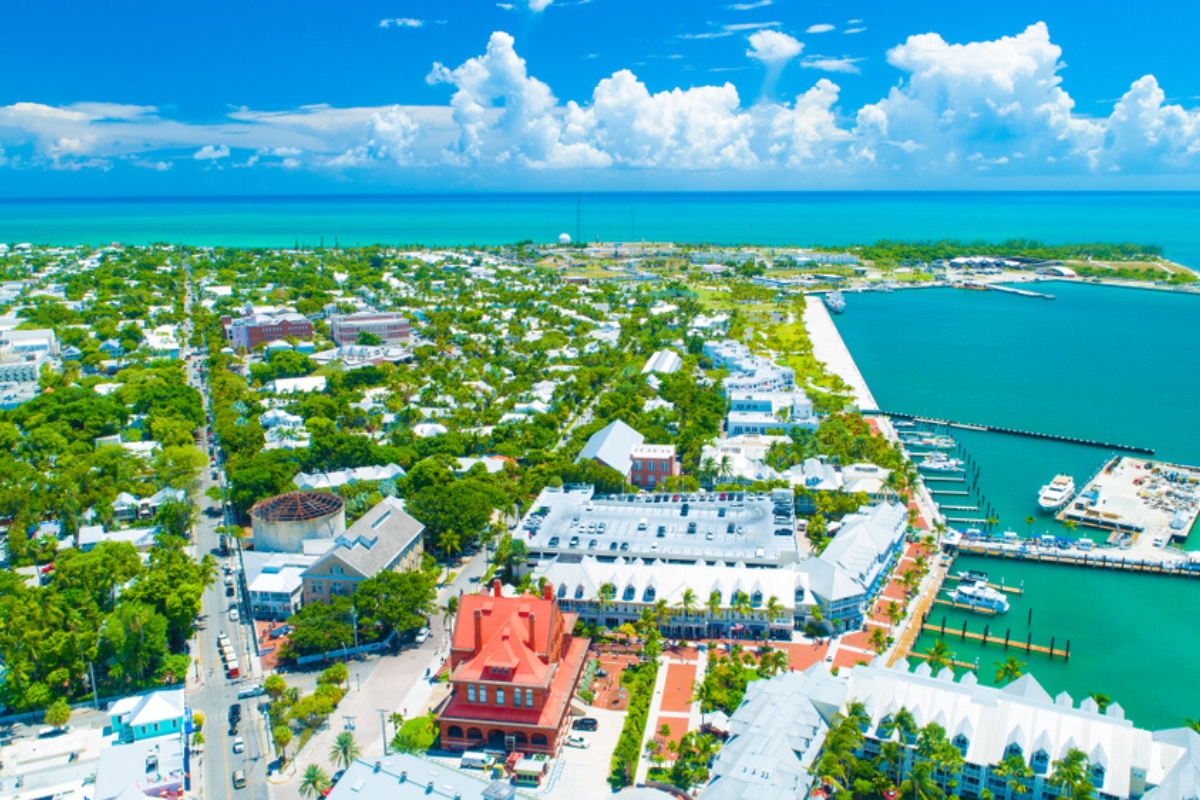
(583, 774)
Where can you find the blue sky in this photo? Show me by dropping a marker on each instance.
(308, 97)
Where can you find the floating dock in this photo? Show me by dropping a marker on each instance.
(1178, 567)
(986, 638)
(1012, 432)
(1136, 496)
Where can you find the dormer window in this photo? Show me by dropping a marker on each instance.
(1014, 749)
(1098, 774)
(649, 594)
(756, 599)
(962, 744)
(629, 593)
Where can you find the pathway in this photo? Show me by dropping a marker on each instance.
(672, 705)
(829, 349)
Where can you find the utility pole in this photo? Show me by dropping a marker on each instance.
(383, 728)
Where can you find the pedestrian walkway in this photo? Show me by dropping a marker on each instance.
(672, 705)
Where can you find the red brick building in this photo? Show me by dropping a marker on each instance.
(652, 464)
(250, 331)
(514, 667)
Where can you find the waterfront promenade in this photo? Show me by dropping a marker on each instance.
(829, 349)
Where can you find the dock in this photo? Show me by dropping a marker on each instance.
(1012, 432)
(960, 508)
(964, 607)
(955, 662)
(944, 478)
(949, 492)
(1136, 496)
(986, 638)
(1020, 292)
(1178, 567)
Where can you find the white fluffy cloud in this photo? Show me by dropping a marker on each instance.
(210, 153)
(996, 108)
(773, 48)
(402, 22)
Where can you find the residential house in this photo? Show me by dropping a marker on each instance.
(160, 713)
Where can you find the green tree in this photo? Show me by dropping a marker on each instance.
(282, 736)
(397, 601)
(1013, 770)
(939, 656)
(58, 713)
(274, 686)
(1070, 775)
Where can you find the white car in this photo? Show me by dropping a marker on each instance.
(233, 615)
(576, 741)
(422, 635)
(239, 745)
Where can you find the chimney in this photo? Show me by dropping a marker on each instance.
(548, 592)
(496, 587)
(533, 632)
(478, 630)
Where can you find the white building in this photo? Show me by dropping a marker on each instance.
(663, 362)
(759, 412)
(748, 372)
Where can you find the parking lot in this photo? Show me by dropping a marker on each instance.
(584, 773)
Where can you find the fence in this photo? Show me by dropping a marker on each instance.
(346, 652)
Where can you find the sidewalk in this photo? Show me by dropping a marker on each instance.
(672, 703)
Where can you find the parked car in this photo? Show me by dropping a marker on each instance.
(239, 779)
(585, 724)
(253, 690)
(576, 741)
(239, 745)
(422, 635)
(234, 616)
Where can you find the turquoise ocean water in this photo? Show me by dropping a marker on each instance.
(1097, 362)
(1169, 219)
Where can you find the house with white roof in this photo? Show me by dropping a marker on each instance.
(663, 362)
(311, 383)
(161, 713)
(333, 479)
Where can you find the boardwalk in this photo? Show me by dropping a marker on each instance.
(986, 638)
(1176, 567)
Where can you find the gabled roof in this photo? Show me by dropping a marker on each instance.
(611, 445)
(376, 540)
(149, 708)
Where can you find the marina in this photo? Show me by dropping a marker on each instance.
(971, 426)
(1180, 566)
(1140, 498)
(986, 638)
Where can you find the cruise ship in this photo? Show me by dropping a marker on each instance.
(981, 596)
(835, 302)
(1055, 495)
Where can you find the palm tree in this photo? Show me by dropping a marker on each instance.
(904, 722)
(725, 471)
(879, 641)
(773, 609)
(345, 750)
(1194, 724)
(920, 784)
(939, 656)
(608, 593)
(687, 602)
(1029, 522)
(315, 781)
(741, 604)
(714, 603)
(1015, 772)
(661, 611)
(1070, 775)
(895, 612)
(1010, 670)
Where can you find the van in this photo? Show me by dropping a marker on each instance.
(475, 761)
(253, 690)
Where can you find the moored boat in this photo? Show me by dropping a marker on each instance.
(1055, 495)
(981, 596)
(835, 302)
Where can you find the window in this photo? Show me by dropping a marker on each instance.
(649, 480)
(499, 697)
(651, 465)
(637, 465)
(1013, 749)
(962, 744)
(1098, 774)
(1040, 762)
(529, 698)
(470, 693)
(483, 694)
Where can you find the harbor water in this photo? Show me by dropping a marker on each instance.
(1099, 363)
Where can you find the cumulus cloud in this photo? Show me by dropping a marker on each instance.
(822, 28)
(210, 153)
(773, 47)
(988, 108)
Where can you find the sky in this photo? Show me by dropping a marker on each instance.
(306, 97)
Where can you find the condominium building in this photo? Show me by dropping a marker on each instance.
(250, 331)
(390, 327)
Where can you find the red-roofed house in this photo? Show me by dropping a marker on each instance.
(514, 667)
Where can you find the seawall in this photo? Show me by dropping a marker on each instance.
(830, 350)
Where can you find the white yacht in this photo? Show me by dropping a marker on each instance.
(938, 462)
(980, 595)
(1055, 495)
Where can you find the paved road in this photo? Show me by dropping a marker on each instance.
(216, 693)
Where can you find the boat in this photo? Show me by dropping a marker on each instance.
(981, 596)
(1055, 495)
(934, 442)
(973, 576)
(937, 462)
(835, 302)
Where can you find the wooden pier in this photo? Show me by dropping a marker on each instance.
(944, 478)
(948, 492)
(986, 638)
(964, 607)
(959, 508)
(1181, 568)
(1012, 432)
(956, 663)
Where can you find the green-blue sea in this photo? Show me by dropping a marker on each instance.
(1098, 362)
(835, 218)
